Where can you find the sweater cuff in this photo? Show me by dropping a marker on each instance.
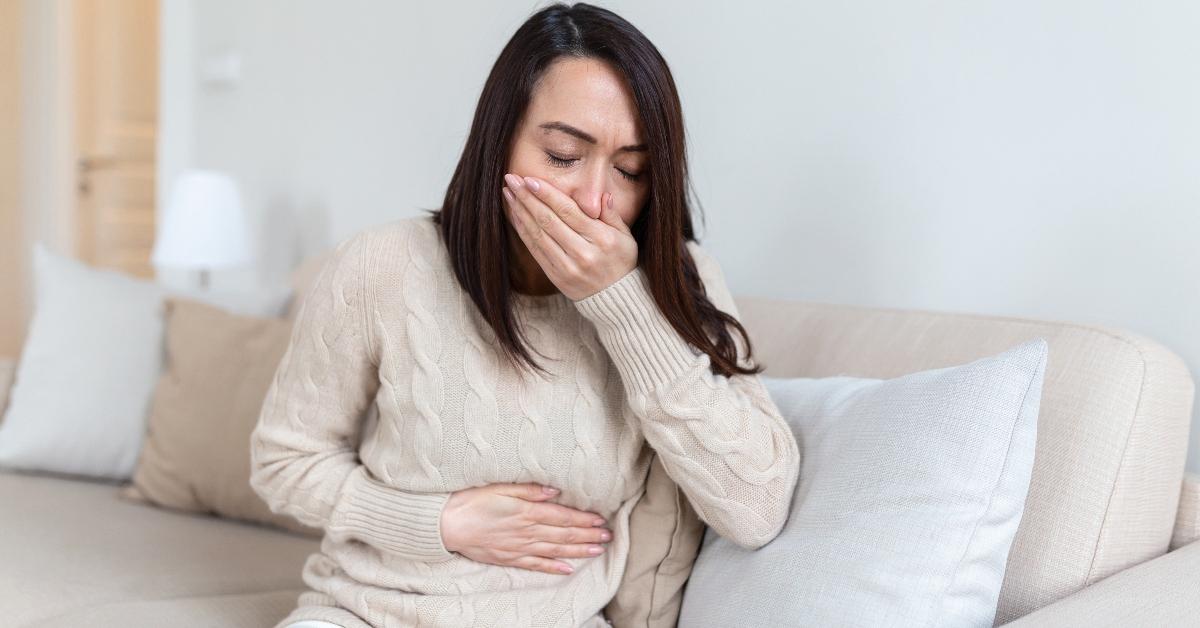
(406, 523)
(646, 349)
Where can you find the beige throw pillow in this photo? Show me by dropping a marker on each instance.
(301, 281)
(664, 540)
(196, 456)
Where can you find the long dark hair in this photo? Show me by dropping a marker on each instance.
(472, 215)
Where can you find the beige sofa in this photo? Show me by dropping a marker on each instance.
(1096, 546)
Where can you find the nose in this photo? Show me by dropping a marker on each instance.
(589, 191)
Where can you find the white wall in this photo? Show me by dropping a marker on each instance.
(1037, 159)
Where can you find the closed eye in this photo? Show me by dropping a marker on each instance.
(562, 162)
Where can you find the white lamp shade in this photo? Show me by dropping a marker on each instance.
(204, 225)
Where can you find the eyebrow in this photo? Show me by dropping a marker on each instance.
(570, 130)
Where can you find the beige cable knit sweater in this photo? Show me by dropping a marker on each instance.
(387, 323)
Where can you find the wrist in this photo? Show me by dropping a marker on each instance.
(446, 525)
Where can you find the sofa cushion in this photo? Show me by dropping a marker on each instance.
(89, 365)
(87, 369)
(69, 545)
(664, 538)
(197, 452)
(910, 494)
(1112, 432)
(233, 610)
(1160, 593)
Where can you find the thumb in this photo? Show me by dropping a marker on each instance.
(531, 491)
(612, 218)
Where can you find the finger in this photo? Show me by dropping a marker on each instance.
(562, 221)
(539, 224)
(546, 252)
(559, 515)
(536, 563)
(611, 217)
(568, 550)
(530, 491)
(565, 207)
(572, 535)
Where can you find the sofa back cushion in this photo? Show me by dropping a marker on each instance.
(1112, 432)
(196, 457)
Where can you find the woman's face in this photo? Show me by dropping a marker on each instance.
(580, 133)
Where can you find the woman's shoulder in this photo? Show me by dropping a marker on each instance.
(393, 245)
(396, 235)
(368, 251)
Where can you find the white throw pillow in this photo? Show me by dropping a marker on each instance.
(92, 357)
(911, 490)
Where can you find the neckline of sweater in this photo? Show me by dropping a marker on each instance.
(556, 302)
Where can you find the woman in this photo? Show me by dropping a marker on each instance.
(565, 230)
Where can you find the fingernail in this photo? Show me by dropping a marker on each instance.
(566, 569)
(549, 490)
(508, 195)
(605, 536)
(593, 550)
(513, 180)
(532, 183)
(598, 522)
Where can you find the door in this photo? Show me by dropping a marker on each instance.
(116, 86)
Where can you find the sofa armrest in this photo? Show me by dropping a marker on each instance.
(1187, 518)
(1158, 592)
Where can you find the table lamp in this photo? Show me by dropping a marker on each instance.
(204, 225)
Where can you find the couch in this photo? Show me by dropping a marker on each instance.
(1106, 538)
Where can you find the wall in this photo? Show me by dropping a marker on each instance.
(1034, 159)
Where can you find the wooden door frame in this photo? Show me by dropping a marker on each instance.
(48, 180)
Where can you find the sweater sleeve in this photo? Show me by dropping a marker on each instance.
(721, 439)
(304, 449)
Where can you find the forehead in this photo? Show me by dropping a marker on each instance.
(587, 93)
